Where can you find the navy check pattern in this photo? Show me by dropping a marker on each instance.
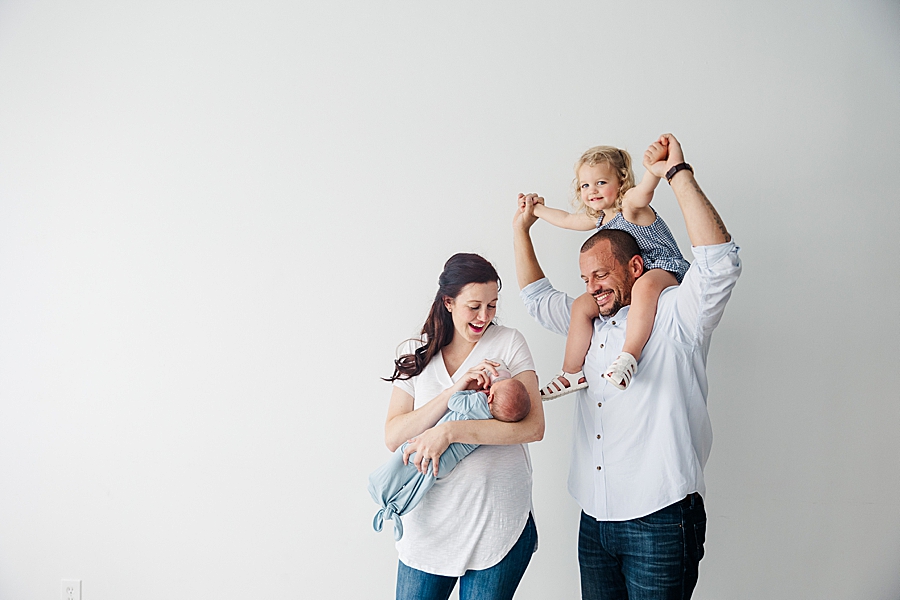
(658, 246)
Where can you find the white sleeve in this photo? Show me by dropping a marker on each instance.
(550, 308)
(700, 299)
(518, 357)
(408, 385)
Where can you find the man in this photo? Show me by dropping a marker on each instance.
(638, 454)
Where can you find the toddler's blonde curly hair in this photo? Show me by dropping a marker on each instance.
(619, 161)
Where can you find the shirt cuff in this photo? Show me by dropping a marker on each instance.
(707, 256)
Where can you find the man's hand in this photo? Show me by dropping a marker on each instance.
(704, 225)
(525, 217)
(663, 154)
(527, 268)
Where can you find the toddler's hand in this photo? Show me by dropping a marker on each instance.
(671, 155)
(525, 217)
(655, 157)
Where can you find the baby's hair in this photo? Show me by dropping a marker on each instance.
(619, 160)
(515, 401)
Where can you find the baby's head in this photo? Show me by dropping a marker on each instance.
(509, 400)
(614, 165)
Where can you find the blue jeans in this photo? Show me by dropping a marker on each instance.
(495, 583)
(650, 558)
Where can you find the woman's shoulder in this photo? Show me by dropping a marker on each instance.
(504, 333)
(509, 345)
(410, 345)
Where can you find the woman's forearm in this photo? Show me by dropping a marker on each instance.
(493, 432)
(404, 423)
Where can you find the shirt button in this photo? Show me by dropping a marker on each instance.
(599, 404)
(599, 468)
(598, 436)
(613, 322)
(601, 345)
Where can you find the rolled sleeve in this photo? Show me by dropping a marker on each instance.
(701, 298)
(550, 307)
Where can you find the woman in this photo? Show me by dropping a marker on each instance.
(474, 525)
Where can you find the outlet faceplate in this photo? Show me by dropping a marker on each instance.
(70, 590)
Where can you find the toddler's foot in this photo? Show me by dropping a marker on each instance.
(562, 384)
(621, 371)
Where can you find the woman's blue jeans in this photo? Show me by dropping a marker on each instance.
(495, 583)
(651, 558)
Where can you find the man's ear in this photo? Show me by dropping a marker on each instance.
(636, 265)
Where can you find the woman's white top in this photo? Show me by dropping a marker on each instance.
(473, 517)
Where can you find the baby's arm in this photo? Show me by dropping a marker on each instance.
(561, 218)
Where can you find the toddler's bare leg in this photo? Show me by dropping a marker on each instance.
(581, 329)
(642, 313)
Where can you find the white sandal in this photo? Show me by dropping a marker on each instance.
(619, 373)
(564, 383)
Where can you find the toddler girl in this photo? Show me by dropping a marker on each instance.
(607, 198)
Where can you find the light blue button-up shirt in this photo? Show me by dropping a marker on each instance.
(644, 448)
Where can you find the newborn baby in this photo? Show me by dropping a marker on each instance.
(398, 487)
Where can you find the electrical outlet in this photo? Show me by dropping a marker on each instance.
(71, 589)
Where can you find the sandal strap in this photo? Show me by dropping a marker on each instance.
(556, 386)
(621, 371)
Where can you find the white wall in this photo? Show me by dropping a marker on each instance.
(218, 220)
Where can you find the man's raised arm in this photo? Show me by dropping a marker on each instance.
(527, 268)
(704, 225)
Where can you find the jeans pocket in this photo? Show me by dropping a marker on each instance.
(700, 537)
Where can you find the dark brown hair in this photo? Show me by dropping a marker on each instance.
(622, 244)
(459, 271)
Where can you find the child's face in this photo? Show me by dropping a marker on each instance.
(598, 186)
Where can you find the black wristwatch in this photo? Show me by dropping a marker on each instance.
(671, 172)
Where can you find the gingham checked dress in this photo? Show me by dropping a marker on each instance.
(658, 246)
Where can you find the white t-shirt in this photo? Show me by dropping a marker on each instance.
(472, 517)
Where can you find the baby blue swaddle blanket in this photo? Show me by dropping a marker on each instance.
(398, 488)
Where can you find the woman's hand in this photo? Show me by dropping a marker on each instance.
(428, 447)
(478, 377)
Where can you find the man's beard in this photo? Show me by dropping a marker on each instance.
(620, 298)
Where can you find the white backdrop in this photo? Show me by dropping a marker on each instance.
(219, 219)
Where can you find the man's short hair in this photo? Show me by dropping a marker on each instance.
(623, 245)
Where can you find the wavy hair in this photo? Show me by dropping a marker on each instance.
(619, 161)
(459, 271)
